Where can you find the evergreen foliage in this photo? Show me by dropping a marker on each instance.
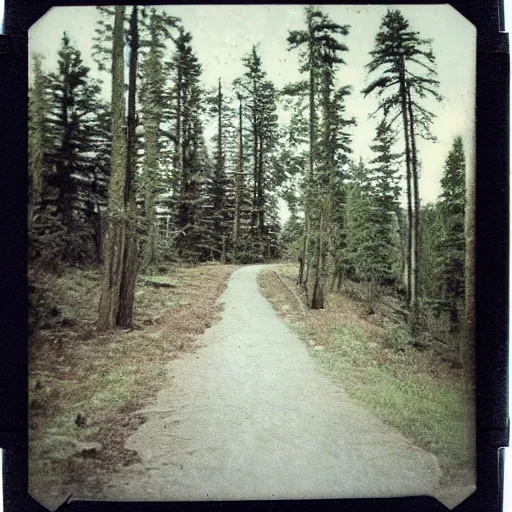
(407, 74)
(385, 193)
(321, 54)
(452, 242)
(37, 129)
(191, 158)
(218, 216)
(259, 113)
(67, 132)
(431, 232)
(172, 170)
(156, 29)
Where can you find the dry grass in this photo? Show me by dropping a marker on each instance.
(417, 391)
(75, 372)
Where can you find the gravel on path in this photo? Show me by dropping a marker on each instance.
(249, 416)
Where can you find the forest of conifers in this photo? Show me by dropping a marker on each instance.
(171, 171)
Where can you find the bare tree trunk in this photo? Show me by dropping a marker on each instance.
(238, 179)
(306, 270)
(317, 296)
(403, 100)
(303, 263)
(65, 203)
(114, 240)
(415, 253)
(223, 253)
(261, 192)
(127, 292)
(300, 277)
(98, 234)
(303, 260)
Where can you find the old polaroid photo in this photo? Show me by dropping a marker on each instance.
(251, 253)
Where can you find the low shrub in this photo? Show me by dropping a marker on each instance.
(397, 338)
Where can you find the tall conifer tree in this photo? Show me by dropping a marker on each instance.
(452, 243)
(115, 239)
(38, 111)
(320, 59)
(406, 64)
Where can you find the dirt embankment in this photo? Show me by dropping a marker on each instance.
(415, 388)
(83, 386)
(250, 416)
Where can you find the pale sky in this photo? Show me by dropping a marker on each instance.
(223, 34)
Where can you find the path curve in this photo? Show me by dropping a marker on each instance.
(249, 416)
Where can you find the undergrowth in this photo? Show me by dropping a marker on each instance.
(83, 385)
(416, 391)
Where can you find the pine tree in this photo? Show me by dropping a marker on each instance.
(320, 59)
(431, 230)
(370, 232)
(130, 256)
(291, 162)
(336, 157)
(72, 101)
(268, 179)
(190, 153)
(103, 38)
(355, 218)
(242, 200)
(218, 217)
(120, 244)
(452, 243)
(338, 229)
(156, 29)
(38, 106)
(115, 240)
(238, 179)
(71, 123)
(151, 90)
(292, 230)
(259, 109)
(46, 234)
(385, 191)
(407, 74)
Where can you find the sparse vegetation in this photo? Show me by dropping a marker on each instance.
(416, 391)
(187, 163)
(84, 384)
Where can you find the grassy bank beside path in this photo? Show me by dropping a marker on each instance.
(415, 391)
(84, 385)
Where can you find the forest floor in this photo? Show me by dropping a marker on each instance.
(418, 391)
(83, 386)
(249, 415)
(261, 405)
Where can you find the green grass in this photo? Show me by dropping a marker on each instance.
(159, 281)
(388, 376)
(432, 414)
(104, 376)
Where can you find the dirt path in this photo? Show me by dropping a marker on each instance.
(248, 416)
